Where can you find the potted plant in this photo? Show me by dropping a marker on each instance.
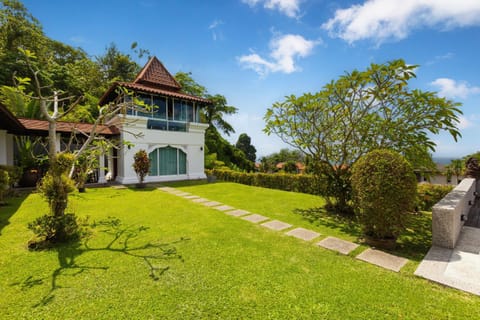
(27, 160)
(141, 165)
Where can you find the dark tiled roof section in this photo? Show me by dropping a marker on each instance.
(68, 127)
(9, 122)
(156, 75)
(149, 89)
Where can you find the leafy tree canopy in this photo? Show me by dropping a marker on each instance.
(359, 112)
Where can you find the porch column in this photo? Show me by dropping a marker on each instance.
(3, 147)
(110, 164)
(10, 148)
(101, 169)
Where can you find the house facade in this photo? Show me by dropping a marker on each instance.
(157, 117)
(166, 124)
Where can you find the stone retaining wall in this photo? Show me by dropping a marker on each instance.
(448, 214)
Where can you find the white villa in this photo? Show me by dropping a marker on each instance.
(170, 131)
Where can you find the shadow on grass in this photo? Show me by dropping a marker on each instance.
(413, 243)
(320, 216)
(8, 209)
(120, 238)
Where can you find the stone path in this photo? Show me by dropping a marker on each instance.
(339, 245)
(383, 259)
(303, 234)
(375, 257)
(276, 225)
(255, 218)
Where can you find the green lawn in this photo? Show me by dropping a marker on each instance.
(152, 255)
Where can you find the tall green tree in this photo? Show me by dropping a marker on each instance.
(214, 114)
(244, 143)
(359, 112)
(117, 66)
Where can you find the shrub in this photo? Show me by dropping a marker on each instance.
(4, 184)
(51, 229)
(289, 182)
(384, 189)
(141, 164)
(429, 194)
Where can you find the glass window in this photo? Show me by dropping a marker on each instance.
(144, 111)
(189, 106)
(167, 161)
(157, 124)
(129, 109)
(159, 107)
(178, 111)
(170, 108)
(153, 157)
(197, 112)
(182, 162)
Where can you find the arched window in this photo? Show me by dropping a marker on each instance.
(167, 161)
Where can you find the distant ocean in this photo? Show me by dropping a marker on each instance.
(443, 160)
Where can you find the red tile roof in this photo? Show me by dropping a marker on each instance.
(67, 127)
(155, 74)
(144, 88)
(154, 78)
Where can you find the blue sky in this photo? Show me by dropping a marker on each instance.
(255, 52)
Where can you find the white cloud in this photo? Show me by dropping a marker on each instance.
(440, 58)
(464, 123)
(283, 52)
(454, 89)
(381, 20)
(213, 27)
(290, 8)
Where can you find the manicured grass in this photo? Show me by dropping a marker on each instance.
(152, 255)
(306, 210)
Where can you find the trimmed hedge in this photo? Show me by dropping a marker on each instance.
(303, 183)
(429, 194)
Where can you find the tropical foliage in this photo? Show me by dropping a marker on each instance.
(359, 112)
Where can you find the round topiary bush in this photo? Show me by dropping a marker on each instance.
(384, 190)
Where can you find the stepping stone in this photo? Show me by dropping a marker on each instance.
(255, 218)
(191, 197)
(211, 203)
(200, 200)
(119, 187)
(303, 234)
(237, 213)
(166, 189)
(338, 245)
(382, 259)
(276, 225)
(181, 194)
(224, 208)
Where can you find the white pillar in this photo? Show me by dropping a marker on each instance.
(110, 163)
(10, 148)
(3, 147)
(101, 169)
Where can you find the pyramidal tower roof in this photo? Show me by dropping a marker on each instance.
(154, 74)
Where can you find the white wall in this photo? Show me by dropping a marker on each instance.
(134, 130)
(3, 147)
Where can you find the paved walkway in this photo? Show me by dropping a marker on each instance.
(376, 257)
(458, 268)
